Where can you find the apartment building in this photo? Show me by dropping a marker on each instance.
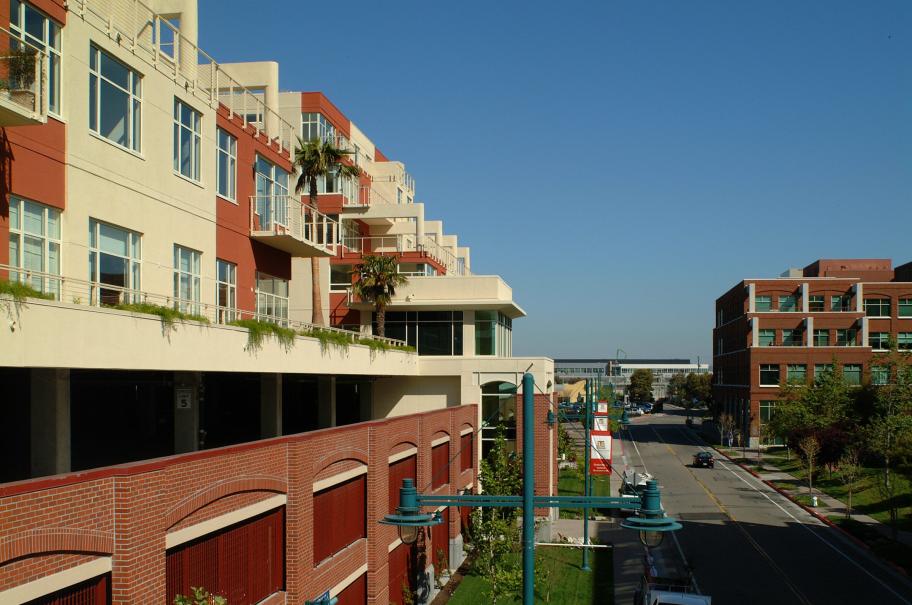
(791, 328)
(144, 455)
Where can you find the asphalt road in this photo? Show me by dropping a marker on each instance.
(744, 542)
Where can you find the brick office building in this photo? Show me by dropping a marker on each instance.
(789, 328)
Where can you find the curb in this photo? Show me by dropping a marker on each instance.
(813, 513)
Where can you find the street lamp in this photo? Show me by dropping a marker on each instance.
(650, 520)
(408, 518)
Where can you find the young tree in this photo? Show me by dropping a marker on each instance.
(640, 388)
(699, 387)
(317, 159)
(677, 387)
(727, 424)
(377, 280)
(849, 472)
(809, 447)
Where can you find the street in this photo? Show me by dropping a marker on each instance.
(745, 542)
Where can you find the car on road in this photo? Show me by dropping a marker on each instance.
(701, 459)
(637, 411)
(646, 407)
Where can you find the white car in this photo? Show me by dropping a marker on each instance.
(636, 412)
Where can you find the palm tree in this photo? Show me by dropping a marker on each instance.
(319, 158)
(378, 277)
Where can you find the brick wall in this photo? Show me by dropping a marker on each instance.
(50, 524)
(545, 440)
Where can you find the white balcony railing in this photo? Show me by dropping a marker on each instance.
(398, 244)
(23, 82)
(94, 294)
(274, 219)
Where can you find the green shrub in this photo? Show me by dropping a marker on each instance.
(168, 315)
(257, 331)
(329, 338)
(20, 291)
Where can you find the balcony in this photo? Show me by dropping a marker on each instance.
(422, 246)
(284, 223)
(23, 82)
(451, 292)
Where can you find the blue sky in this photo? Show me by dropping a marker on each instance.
(620, 164)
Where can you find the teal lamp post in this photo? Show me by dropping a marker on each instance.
(408, 518)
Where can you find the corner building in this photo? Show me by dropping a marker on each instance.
(143, 456)
(791, 328)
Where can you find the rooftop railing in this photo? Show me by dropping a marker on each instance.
(23, 81)
(286, 215)
(398, 244)
(159, 43)
(96, 294)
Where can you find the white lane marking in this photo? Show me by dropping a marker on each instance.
(808, 527)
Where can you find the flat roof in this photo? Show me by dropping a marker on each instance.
(628, 361)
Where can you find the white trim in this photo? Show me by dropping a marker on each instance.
(469, 485)
(440, 509)
(193, 532)
(322, 484)
(334, 592)
(440, 441)
(466, 431)
(394, 545)
(412, 451)
(54, 582)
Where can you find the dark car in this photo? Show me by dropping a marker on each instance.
(704, 459)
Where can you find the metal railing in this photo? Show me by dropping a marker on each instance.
(156, 41)
(23, 75)
(95, 294)
(397, 244)
(287, 215)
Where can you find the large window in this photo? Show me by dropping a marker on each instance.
(271, 194)
(187, 140)
(467, 451)
(29, 24)
(340, 278)
(904, 340)
(847, 337)
(115, 100)
(114, 263)
(226, 291)
(797, 373)
(272, 298)
(821, 337)
(905, 307)
(763, 303)
(816, 303)
(788, 303)
(498, 410)
(822, 368)
(226, 165)
(851, 373)
(880, 375)
(879, 340)
(186, 280)
(440, 465)
(339, 517)
(767, 337)
(769, 375)
(493, 334)
(34, 244)
(431, 332)
(791, 338)
(842, 302)
(767, 409)
(877, 307)
(316, 126)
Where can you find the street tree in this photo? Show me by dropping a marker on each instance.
(317, 159)
(698, 387)
(377, 278)
(849, 471)
(727, 425)
(640, 388)
(677, 387)
(809, 447)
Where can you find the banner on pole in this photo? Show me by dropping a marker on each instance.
(600, 453)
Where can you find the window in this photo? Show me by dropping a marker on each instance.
(31, 25)
(485, 330)
(877, 307)
(905, 307)
(271, 194)
(821, 338)
(114, 264)
(466, 451)
(816, 303)
(843, 302)
(880, 375)
(851, 373)
(226, 291)
(339, 517)
(822, 368)
(398, 196)
(763, 303)
(272, 298)
(879, 340)
(767, 337)
(34, 244)
(904, 340)
(316, 126)
(769, 375)
(847, 337)
(440, 465)
(340, 277)
(767, 408)
(186, 280)
(186, 140)
(791, 338)
(115, 102)
(788, 303)
(431, 332)
(797, 373)
(226, 166)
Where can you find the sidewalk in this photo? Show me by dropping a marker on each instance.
(828, 506)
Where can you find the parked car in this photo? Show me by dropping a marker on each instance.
(701, 459)
(636, 411)
(646, 407)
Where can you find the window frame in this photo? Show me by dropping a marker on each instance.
(193, 303)
(766, 368)
(877, 304)
(846, 342)
(904, 307)
(54, 53)
(228, 312)
(134, 274)
(882, 338)
(230, 156)
(904, 341)
(816, 303)
(792, 303)
(853, 369)
(878, 372)
(17, 231)
(96, 78)
(817, 333)
(792, 372)
(263, 299)
(194, 132)
(766, 299)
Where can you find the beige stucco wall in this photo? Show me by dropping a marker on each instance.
(398, 396)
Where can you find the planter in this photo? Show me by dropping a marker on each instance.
(25, 98)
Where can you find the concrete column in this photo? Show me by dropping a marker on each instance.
(805, 303)
(809, 328)
(864, 332)
(326, 397)
(755, 331)
(859, 297)
(468, 333)
(751, 298)
(187, 411)
(50, 421)
(270, 405)
(365, 400)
